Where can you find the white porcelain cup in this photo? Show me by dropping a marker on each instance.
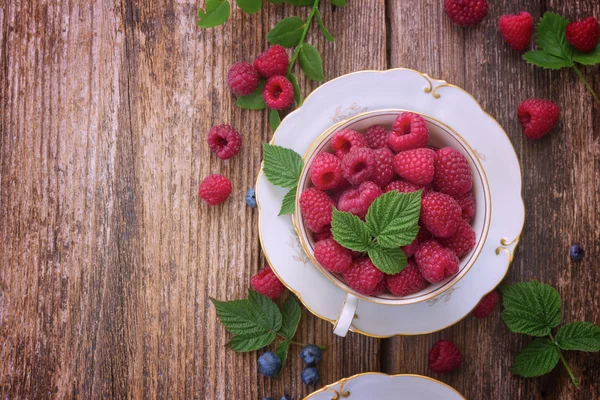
(441, 135)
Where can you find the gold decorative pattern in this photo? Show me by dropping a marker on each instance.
(349, 112)
(505, 242)
(479, 155)
(294, 243)
(435, 93)
(427, 89)
(447, 295)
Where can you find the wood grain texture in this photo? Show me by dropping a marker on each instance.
(560, 188)
(108, 259)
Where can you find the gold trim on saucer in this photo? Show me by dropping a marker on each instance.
(345, 394)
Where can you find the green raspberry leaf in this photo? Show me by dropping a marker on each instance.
(291, 312)
(393, 218)
(538, 358)
(583, 336)
(388, 261)
(274, 119)
(217, 12)
(282, 166)
(251, 342)
(591, 58)
(288, 204)
(532, 308)
(297, 95)
(545, 60)
(282, 352)
(339, 3)
(287, 32)
(328, 36)
(310, 62)
(551, 36)
(249, 6)
(349, 231)
(253, 101)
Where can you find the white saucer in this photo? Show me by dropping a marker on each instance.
(359, 92)
(381, 386)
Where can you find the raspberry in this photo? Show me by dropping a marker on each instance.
(401, 186)
(384, 166)
(224, 141)
(435, 261)
(452, 172)
(409, 131)
(358, 165)
(462, 241)
(381, 286)
(316, 207)
(278, 93)
(584, 34)
(273, 61)
(363, 276)
(266, 283)
(242, 78)
(410, 249)
(466, 13)
(537, 117)
(346, 139)
(416, 166)
(324, 234)
(357, 200)
(516, 30)
(486, 305)
(440, 214)
(467, 206)
(444, 356)
(326, 172)
(332, 256)
(377, 136)
(214, 189)
(407, 281)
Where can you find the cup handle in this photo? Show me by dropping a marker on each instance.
(346, 316)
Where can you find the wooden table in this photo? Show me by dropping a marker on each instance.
(108, 258)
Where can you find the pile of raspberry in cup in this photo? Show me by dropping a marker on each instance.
(363, 166)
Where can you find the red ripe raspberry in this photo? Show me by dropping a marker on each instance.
(401, 186)
(326, 172)
(407, 281)
(377, 136)
(381, 287)
(358, 165)
(242, 78)
(384, 166)
(435, 261)
(537, 117)
(584, 34)
(466, 13)
(423, 235)
(324, 234)
(363, 276)
(358, 200)
(416, 166)
(346, 139)
(278, 93)
(332, 256)
(410, 249)
(214, 189)
(266, 283)
(409, 131)
(273, 61)
(440, 214)
(452, 172)
(224, 141)
(462, 241)
(316, 207)
(516, 30)
(486, 305)
(444, 356)
(467, 206)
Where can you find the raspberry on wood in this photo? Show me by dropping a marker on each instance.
(516, 30)
(273, 61)
(266, 283)
(242, 78)
(537, 117)
(215, 189)
(584, 34)
(444, 356)
(224, 141)
(486, 305)
(466, 13)
(278, 93)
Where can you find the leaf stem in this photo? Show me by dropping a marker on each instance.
(298, 343)
(562, 359)
(587, 84)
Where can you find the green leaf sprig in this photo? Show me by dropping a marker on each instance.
(255, 322)
(392, 221)
(533, 308)
(555, 52)
(282, 167)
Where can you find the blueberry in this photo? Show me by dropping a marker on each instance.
(286, 397)
(310, 376)
(577, 252)
(311, 354)
(269, 364)
(251, 198)
(267, 398)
